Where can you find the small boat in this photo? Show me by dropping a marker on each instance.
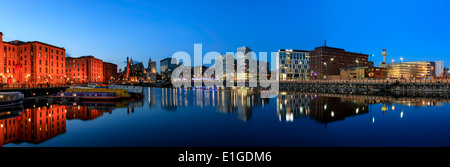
(87, 95)
(10, 98)
(104, 88)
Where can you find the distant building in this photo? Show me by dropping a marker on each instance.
(132, 72)
(327, 61)
(246, 58)
(151, 71)
(414, 69)
(198, 72)
(109, 72)
(439, 70)
(31, 63)
(363, 73)
(446, 73)
(248, 73)
(293, 64)
(166, 68)
(84, 69)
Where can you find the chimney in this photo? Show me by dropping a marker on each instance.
(128, 69)
(325, 43)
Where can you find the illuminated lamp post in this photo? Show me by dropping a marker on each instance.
(357, 69)
(401, 67)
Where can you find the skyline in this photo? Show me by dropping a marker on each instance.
(114, 30)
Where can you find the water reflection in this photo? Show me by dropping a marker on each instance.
(36, 123)
(32, 125)
(320, 108)
(241, 101)
(45, 121)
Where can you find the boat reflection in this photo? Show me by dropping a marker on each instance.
(90, 110)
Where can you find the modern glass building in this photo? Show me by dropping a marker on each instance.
(293, 64)
(407, 70)
(166, 68)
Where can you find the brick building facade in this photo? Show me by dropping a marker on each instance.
(84, 69)
(327, 61)
(109, 72)
(31, 63)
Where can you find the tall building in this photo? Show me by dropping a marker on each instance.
(109, 72)
(84, 69)
(248, 73)
(151, 71)
(166, 68)
(413, 69)
(439, 70)
(246, 59)
(31, 63)
(294, 64)
(327, 61)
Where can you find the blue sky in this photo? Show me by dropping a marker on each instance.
(112, 30)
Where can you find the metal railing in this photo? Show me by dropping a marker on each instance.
(374, 81)
(34, 86)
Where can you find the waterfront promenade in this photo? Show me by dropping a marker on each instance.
(39, 90)
(367, 85)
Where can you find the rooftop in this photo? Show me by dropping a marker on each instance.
(329, 48)
(18, 42)
(292, 50)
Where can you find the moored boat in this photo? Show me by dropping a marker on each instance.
(92, 87)
(87, 95)
(11, 98)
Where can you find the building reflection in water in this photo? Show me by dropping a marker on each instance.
(33, 125)
(92, 110)
(85, 113)
(39, 123)
(320, 108)
(241, 101)
(151, 96)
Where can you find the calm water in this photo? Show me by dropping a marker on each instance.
(169, 117)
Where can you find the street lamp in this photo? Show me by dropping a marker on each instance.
(357, 69)
(401, 67)
(326, 69)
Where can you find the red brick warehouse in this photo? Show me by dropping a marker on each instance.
(31, 63)
(327, 61)
(84, 69)
(109, 72)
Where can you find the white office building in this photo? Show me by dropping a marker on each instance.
(439, 68)
(293, 64)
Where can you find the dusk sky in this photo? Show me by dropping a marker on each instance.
(111, 30)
